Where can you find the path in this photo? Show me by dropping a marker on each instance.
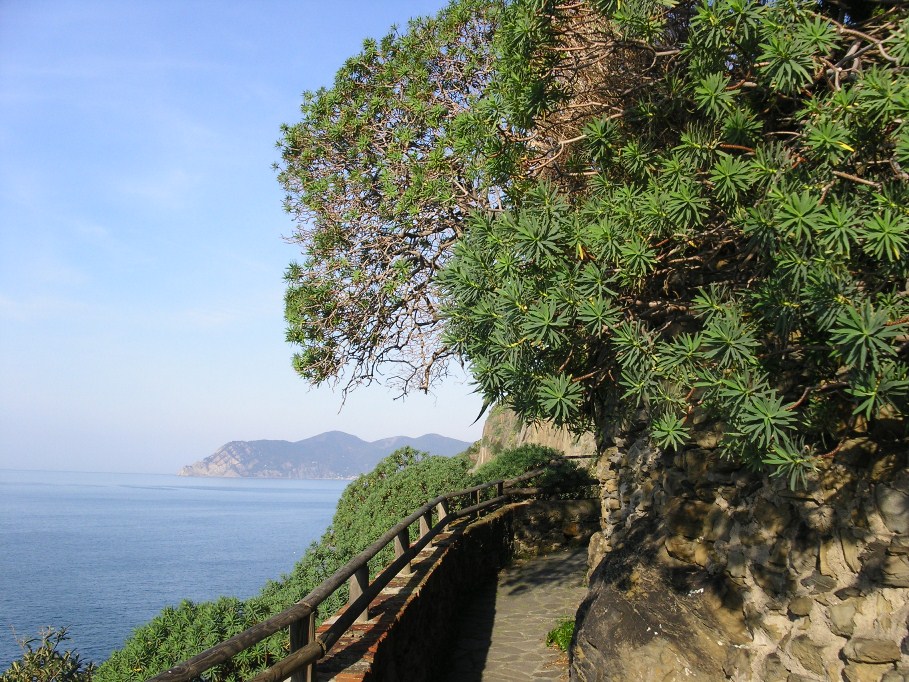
(502, 631)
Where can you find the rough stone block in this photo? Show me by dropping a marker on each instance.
(718, 525)
(597, 549)
(803, 555)
(735, 564)
(737, 661)
(852, 552)
(867, 650)
(779, 555)
(827, 556)
(687, 550)
(801, 606)
(708, 439)
(842, 619)
(688, 517)
(819, 583)
(772, 579)
(899, 545)
(772, 518)
(895, 571)
(893, 505)
(865, 672)
(774, 668)
(808, 653)
(883, 468)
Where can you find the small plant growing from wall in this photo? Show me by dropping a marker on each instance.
(560, 636)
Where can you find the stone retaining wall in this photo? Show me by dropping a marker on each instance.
(545, 526)
(704, 570)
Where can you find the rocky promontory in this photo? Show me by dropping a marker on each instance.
(334, 454)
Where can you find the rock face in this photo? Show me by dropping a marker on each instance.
(705, 571)
(503, 430)
(329, 455)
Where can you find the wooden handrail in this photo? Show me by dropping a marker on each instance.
(312, 651)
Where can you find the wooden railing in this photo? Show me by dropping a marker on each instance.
(305, 647)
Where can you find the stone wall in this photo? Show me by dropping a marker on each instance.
(545, 526)
(706, 571)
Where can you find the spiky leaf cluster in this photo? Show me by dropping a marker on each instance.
(712, 215)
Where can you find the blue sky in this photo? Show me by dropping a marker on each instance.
(141, 252)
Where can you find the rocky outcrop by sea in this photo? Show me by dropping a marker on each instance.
(331, 455)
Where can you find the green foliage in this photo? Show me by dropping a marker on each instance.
(378, 194)
(46, 662)
(719, 224)
(185, 630)
(561, 474)
(374, 502)
(560, 636)
(369, 506)
(620, 210)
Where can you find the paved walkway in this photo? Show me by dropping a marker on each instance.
(502, 630)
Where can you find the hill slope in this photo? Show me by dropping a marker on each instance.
(333, 454)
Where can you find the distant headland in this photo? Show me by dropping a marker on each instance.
(333, 454)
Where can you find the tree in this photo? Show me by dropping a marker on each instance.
(379, 183)
(708, 211)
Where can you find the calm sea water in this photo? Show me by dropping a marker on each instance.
(104, 553)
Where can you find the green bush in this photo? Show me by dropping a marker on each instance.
(561, 474)
(46, 663)
(401, 483)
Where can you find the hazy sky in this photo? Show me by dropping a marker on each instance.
(141, 252)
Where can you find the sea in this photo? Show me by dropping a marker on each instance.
(102, 554)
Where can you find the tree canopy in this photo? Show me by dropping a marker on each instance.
(700, 206)
(380, 184)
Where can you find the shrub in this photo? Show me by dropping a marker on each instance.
(708, 213)
(561, 474)
(46, 663)
(400, 484)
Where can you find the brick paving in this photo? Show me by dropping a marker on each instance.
(502, 630)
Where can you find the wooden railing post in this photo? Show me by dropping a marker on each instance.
(425, 524)
(442, 510)
(359, 581)
(402, 544)
(500, 488)
(302, 632)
